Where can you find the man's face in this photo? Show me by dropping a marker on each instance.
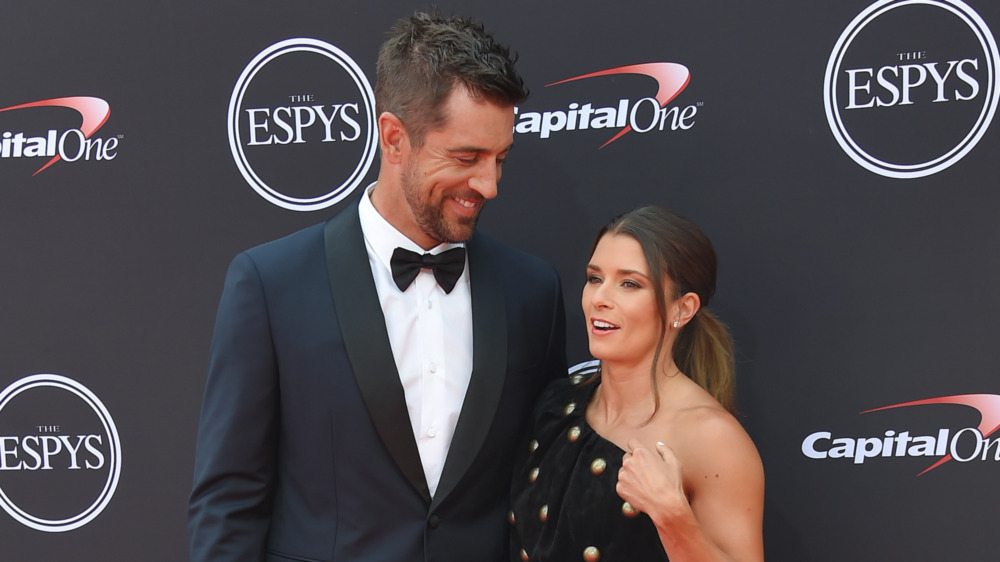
(447, 180)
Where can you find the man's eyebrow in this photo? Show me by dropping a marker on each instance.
(479, 149)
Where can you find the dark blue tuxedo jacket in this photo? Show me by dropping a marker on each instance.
(305, 450)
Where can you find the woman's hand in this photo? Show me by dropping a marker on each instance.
(651, 480)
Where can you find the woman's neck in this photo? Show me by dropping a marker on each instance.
(625, 396)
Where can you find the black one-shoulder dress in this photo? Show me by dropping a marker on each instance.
(564, 504)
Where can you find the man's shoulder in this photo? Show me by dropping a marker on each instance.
(497, 251)
(303, 238)
(294, 251)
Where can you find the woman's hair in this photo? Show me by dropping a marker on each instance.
(681, 257)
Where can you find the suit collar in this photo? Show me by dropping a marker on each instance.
(363, 328)
(489, 366)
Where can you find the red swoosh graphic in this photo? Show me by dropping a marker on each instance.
(94, 111)
(988, 406)
(671, 77)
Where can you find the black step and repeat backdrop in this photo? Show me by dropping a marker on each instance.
(840, 154)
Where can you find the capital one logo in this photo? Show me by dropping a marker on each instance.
(68, 145)
(640, 115)
(911, 86)
(302, 124)
(60, 454)
(968, 444)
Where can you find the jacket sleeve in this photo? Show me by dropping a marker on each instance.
(230, 504)
(556, 364)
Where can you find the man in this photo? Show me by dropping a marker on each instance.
(351, 415)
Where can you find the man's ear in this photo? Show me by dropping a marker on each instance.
(392, 137)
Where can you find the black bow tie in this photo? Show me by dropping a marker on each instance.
(447, 267)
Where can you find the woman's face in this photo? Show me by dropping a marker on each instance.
(619, 303)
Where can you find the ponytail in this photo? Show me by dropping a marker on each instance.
(704, 352)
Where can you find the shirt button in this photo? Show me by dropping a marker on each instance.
(430, 305)
(433, 367)
(432, 432)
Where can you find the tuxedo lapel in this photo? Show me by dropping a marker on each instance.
(366, 339)
(489, 366)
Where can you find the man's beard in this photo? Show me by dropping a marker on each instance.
(429, 215)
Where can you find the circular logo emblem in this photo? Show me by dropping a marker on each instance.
(910, 87)
(302, 124)
(60, 455)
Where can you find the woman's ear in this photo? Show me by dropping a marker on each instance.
(684, 309)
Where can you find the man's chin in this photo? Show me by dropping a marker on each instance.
(456, 231)
(462, 234)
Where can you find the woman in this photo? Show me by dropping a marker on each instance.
(643, 462)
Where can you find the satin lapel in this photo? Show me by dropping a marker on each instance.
(489, 366)
(365, 337)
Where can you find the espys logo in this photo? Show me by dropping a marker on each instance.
(69, 145)
(911, 86)
(643, 115)
(964, 445)
(60, 455)
(302, 124)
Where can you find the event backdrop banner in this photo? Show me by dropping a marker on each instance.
(842, 156)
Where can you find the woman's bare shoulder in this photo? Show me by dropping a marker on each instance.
(707, 438)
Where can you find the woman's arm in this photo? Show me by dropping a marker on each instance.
(711, 507)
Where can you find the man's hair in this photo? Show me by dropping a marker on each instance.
(425, 56)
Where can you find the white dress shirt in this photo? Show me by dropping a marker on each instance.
(430, 333)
